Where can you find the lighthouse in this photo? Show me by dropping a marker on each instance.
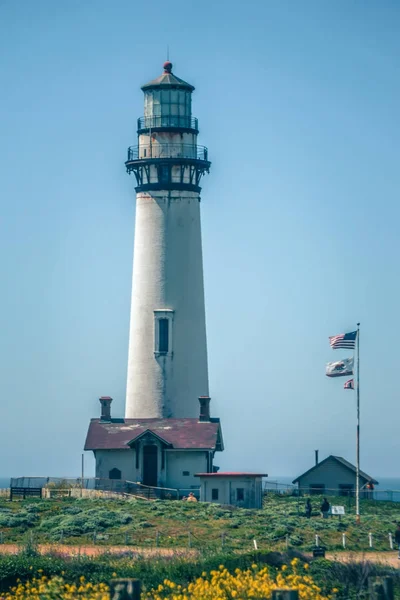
(167, 359)
(168, 434)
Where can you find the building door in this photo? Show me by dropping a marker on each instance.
(150, 466)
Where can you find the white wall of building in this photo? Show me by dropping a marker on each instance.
(124, 460)
(180, 461)
(227, 490)
(167, 274)
(171, 475)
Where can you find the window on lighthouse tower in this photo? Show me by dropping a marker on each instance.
(163, 331)
(163, 337)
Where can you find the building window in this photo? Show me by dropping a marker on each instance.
(239, 494)
(163, 327)
(163, 320)
(185, 473)
(114, 474)
(214, 493)
(346, 489)
(317, 488)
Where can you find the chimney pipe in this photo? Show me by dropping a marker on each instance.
(105, 402)
(204, 408)
(316, 457)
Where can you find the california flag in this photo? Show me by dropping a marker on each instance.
(340, 368)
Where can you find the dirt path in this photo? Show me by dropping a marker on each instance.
(98, 550)
(387, 558)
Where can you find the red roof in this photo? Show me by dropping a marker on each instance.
(177, 433)
(230, 474)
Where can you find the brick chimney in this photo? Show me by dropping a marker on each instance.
(105, 402)
(204, 408)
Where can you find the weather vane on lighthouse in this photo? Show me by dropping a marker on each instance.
(167, 364)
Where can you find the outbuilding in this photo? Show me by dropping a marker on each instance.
(236, 489)
(334, 476)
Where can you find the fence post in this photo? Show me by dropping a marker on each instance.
(391, 541)
(317, 540)
(344, 540)
(287, 541)
(381, 588)
(125, 589)
(255, 544)
(370, 539)
(285, 594)
(94, 537)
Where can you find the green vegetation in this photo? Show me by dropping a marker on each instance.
(210, 527)
(349, 579)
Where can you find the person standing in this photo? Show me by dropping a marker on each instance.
(397, 538)
(325, 506)
(308, 508)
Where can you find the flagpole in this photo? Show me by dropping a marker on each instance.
(358, 429)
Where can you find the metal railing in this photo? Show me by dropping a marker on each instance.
(157, 150)
(52, 486)
(168, 121)
(284, 489)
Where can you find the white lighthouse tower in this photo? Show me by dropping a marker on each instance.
(167, 363)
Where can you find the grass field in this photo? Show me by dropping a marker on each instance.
(208, 527)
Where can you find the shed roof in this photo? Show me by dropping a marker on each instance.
(180, 434)
(230, 474)
(344, 463)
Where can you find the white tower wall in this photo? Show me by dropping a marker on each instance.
(167, 276)
(167, 362)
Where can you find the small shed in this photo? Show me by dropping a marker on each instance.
(334, 476)
(236, 489)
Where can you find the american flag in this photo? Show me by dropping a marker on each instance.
(349, 385)
(343, 340)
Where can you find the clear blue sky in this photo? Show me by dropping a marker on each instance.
(298, 103)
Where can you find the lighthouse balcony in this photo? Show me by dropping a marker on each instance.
(175, 122)
(167, 151)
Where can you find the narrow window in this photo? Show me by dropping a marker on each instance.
(214, 494)
(240, 494)
(185, 473)
(163, 330)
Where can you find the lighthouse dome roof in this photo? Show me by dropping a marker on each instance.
(168, 80)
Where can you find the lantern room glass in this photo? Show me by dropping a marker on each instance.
(168, 107)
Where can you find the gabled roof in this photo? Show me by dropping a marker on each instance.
(179, 434)
(344, 463)
(150, 433)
